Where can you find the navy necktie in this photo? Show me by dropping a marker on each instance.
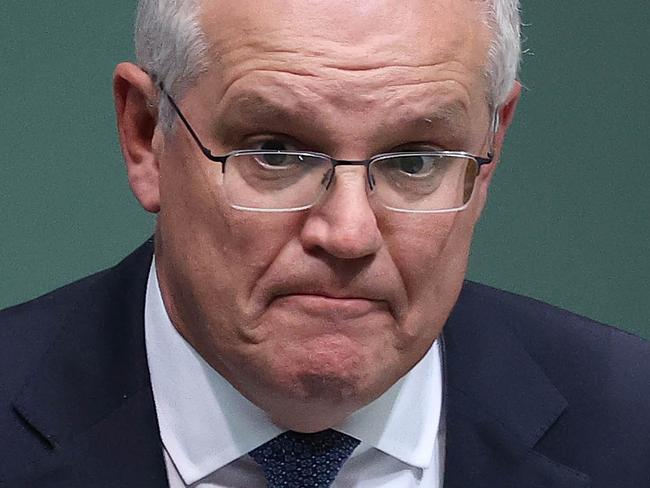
(295, 460)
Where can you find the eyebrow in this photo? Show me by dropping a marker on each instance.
(450, 112)
(256, 110)
(251, 106)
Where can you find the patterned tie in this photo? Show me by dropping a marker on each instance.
(295, 460)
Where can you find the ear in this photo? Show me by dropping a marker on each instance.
(135, 99)
(506, 116)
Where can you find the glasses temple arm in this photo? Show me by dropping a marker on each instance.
(493, 135)
(187, 125)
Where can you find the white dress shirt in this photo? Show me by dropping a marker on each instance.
(207, 427)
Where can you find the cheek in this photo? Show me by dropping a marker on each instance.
(195, 215)
(210, 254)
(431, 254)
(418, 245)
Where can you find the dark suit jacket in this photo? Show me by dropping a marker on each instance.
(535, 397)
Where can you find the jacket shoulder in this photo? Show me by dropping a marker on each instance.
(29, 329)
(602, 372)
(548, 331)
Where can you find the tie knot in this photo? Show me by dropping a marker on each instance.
(296, 460)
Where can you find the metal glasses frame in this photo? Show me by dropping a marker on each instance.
(480, 161)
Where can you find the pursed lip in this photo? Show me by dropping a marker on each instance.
(334, 306)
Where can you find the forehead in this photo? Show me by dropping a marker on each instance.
(358, 68)
(351, 35)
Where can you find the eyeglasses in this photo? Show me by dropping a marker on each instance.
(286, 181)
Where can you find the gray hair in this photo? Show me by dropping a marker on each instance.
(171, 46)
(504, 56)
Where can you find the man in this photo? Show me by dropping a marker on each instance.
(300, 317)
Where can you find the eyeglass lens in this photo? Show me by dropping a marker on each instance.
(273, 180)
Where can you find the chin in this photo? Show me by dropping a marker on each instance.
(329, 385)
(312, 388)
(317, 399)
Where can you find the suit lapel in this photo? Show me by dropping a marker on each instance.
(498, 404)
(90, 399)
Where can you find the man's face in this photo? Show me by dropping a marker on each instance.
(313, 314)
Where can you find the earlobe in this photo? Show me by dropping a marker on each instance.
(133, 93)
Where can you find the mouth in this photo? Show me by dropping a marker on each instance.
(333, 307)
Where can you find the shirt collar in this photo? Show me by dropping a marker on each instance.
(205, 423)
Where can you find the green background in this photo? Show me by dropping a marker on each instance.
(567, 221)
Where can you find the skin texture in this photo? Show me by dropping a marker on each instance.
(313, 314)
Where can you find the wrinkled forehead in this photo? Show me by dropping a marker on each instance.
(348, 34)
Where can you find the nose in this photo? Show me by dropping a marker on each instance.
(343, 224)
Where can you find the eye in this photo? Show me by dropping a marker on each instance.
(416, 166)
(410, 164)
(275, 160)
